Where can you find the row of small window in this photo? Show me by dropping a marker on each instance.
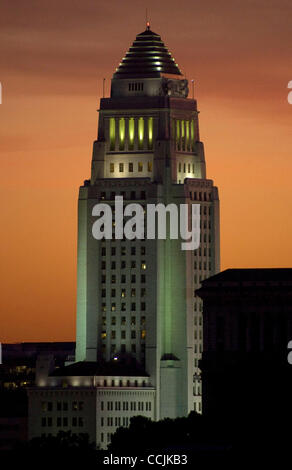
(121, 383)
(123, 349)
(62, 406)
(130, 133)
(136, 86)
(123, 295)
(196, 336)
(204, 237)
(123, 251)
(122, 167)
(123, 265)
(118, 421)
(131, 195)
(205, 224)
(133, 305)
(124, 321)
(204, 210)
(203, 252)
(184, 134)
(123, 334)
(109, 436)
(199, 196)
(62, 422)
(204, 264)
(183, 167)
(198, 307)
(133, 279)
(198, 319)
(133, 265)
(125, 406)
(198, 349)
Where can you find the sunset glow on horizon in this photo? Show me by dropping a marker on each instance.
(53, 59)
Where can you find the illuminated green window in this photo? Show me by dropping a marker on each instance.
(193, 135)
(149, 166)
(140, 166)
(178, 133)
(150, 133)
(112, 133)
(187, 134)
(131, 133)
(141, 133)
(183, 137)
(122, 133)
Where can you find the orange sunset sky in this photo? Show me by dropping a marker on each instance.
(53, 57)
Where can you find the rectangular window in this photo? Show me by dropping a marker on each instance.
(141, 133)
(192, 135)
(121, 167)
(149, 167)
(130, 167)
(112, 133)
(140, 166)
(112, 167)
(183, 137)
(150, 134)
(122, 133)
(178, 133)
(131, 133)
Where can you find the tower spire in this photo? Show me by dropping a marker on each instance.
(147, 21)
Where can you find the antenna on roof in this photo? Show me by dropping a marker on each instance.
(147, 22)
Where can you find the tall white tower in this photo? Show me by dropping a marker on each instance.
(136, 299)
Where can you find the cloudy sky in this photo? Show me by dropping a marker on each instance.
(53, 57)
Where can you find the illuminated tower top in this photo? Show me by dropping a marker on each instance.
(148, 69)
(148, 57)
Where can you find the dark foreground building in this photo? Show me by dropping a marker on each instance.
(247, 324)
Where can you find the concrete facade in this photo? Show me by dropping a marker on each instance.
(136, 298)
